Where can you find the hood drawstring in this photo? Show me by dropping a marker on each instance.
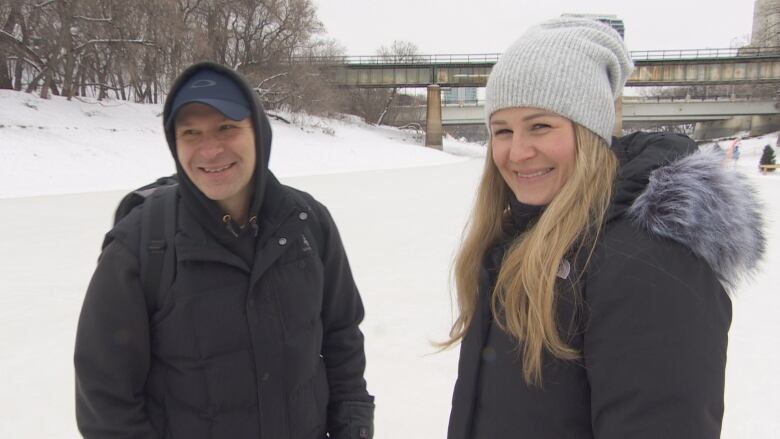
(228, 221)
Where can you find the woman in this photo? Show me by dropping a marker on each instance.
(592, 281)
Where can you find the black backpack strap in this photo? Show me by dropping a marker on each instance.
(157, 250)
(139, 196)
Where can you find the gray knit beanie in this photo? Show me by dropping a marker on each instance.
(570, 66)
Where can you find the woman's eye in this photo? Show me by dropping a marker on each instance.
(226, 127)
(540, 126)
(502, 131)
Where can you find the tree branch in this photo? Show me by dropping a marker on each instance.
(5, 36)
(44, 4)
(113, 41)
(97, 84)
(277, 117)
(30, 62)
(278, 75)
(94, 20)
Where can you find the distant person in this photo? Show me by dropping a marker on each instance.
(593, 279)
(257, 337)
(733, 151)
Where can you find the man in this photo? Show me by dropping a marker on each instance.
(257, 337)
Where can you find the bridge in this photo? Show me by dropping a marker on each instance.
(753, 65)
(653, 68)
(660, 110)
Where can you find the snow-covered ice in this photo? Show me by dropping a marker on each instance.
(400, 209)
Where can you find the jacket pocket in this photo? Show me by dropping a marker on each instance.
(307, 407)
(299, 287)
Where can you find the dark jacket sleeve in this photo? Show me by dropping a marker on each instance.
(351, 408)
(655, 342)
(112, 351)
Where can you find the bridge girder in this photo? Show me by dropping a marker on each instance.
(709, 68)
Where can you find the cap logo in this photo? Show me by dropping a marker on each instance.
(203, 83)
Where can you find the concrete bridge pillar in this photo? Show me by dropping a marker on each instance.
(433, 126)
(754, 125)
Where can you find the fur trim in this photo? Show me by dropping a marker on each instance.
(708, 206)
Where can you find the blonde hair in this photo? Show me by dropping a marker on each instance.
(525, 289)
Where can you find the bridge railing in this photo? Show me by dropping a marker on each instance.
(684, 54)
(694, 99)
(626, 100)
(454, 58)
(490, 58)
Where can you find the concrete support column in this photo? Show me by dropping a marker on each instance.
(618, 131)
(760, 125)
(433, 127)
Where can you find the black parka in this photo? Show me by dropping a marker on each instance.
(270, 349)
(653, 318)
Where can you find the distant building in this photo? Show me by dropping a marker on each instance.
(766, 24)
(610, 20)
(459, 95)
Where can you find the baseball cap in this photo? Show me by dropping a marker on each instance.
(212, 88)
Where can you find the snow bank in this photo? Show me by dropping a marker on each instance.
(56, 146)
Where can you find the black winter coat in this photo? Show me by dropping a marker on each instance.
(654, 320)
(268, 350)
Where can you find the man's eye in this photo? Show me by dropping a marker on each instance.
(188, 133)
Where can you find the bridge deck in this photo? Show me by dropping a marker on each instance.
(653, 68)
(633, 110)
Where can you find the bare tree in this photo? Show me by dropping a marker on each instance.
(133, 50)
(399, 52)
(19, 44)
(9, 15)
(298, 86)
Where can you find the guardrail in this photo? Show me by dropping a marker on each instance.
(455, 58)
(626, 100)
(693, 54)
(488, 58)
(673, 99)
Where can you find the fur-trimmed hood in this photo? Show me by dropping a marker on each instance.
(694, 197)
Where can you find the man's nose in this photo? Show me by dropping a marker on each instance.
(211, 147)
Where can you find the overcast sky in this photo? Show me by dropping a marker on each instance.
(489, 26)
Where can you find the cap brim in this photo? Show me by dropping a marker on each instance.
(229, 109)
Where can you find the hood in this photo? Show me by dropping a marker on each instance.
(206, 211)
(672, 190)
(639, 154)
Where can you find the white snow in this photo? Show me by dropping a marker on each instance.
(85, 145)
(400, 209)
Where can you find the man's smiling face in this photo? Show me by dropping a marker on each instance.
(217, 154)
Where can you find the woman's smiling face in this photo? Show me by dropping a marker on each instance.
(534, 150)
